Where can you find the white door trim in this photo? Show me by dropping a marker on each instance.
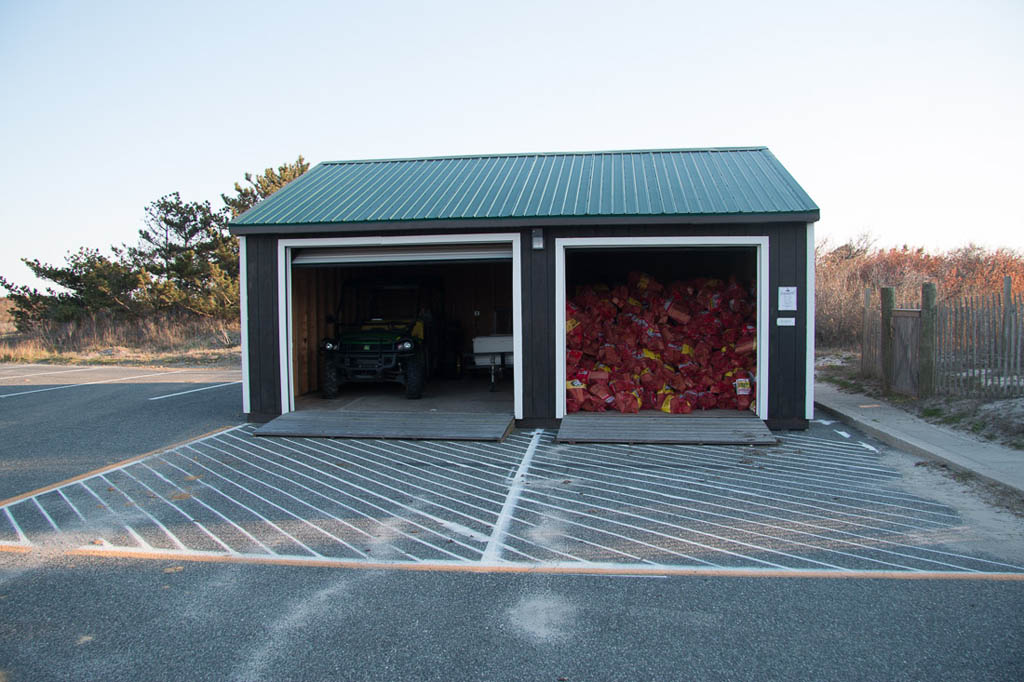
(284, 294)
(763, 310)
(243, 306)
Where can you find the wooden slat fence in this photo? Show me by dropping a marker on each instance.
(980, 346)
(871, 345)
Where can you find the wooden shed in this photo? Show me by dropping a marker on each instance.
(510, 239)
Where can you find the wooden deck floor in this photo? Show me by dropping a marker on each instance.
(389, 425)
(722, 429)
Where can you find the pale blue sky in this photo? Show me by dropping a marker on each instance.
(899, 118)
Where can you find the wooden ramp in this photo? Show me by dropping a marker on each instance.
(389, 425)
(685, 429)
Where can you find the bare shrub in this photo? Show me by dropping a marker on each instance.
(844, 271)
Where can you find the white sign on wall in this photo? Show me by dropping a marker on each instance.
(787, 298)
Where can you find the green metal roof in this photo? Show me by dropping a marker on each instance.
(577, 185)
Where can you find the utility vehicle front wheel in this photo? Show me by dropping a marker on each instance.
(415, 376)
(329, 380)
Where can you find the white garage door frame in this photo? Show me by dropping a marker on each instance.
(285, 247)
(759, 242)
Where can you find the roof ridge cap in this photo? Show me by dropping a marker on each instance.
(341, 162)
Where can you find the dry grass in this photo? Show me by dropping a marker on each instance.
(164, 340)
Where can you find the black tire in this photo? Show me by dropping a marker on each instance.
(329, 381)
(415, 376)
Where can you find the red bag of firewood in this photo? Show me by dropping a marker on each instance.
(585, 297)
(603, 393)
(576, 390)
(653, 339)
(688, 368)
(678, 382)
(648, 354)
(575, 320)
(648, 380)
(591, 346)
(744, 389)
(609, 354)
(601, 405)
(581, 375)
(675, 308)
(619, 295)
(618, 385)
(642, 282)
(571, 406)
(574, 338)
(672, 403)
(628, 402)
(572, 358)
(706, 400)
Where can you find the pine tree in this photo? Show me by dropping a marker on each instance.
(262, 186)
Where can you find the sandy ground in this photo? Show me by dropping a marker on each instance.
(993, 517)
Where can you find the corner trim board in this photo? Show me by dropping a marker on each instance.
(809, 313)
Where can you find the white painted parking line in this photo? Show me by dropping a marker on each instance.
(195, 390)
(866, 446)
(528, 504)
(464, 481)
(61, 371)
(22, 538)
(493, 550)
(844, 434)
(91, 383)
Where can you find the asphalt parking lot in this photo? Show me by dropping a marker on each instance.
(59, 421)
(216, 555)
(820, 500)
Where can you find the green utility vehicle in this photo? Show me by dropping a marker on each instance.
(393, 337)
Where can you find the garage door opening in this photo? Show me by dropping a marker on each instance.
(661, 336)
(441, 310)
(403, 337)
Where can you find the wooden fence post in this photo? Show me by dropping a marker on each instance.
(888, 304)
(865, 342)
(926, 342)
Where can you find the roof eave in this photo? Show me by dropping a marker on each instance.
(540, 221)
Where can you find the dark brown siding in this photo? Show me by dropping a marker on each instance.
(538, 314)
(787, 345)
(261, 292)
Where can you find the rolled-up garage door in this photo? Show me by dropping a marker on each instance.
(400, 254)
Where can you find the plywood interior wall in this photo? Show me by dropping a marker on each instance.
(476, 295)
